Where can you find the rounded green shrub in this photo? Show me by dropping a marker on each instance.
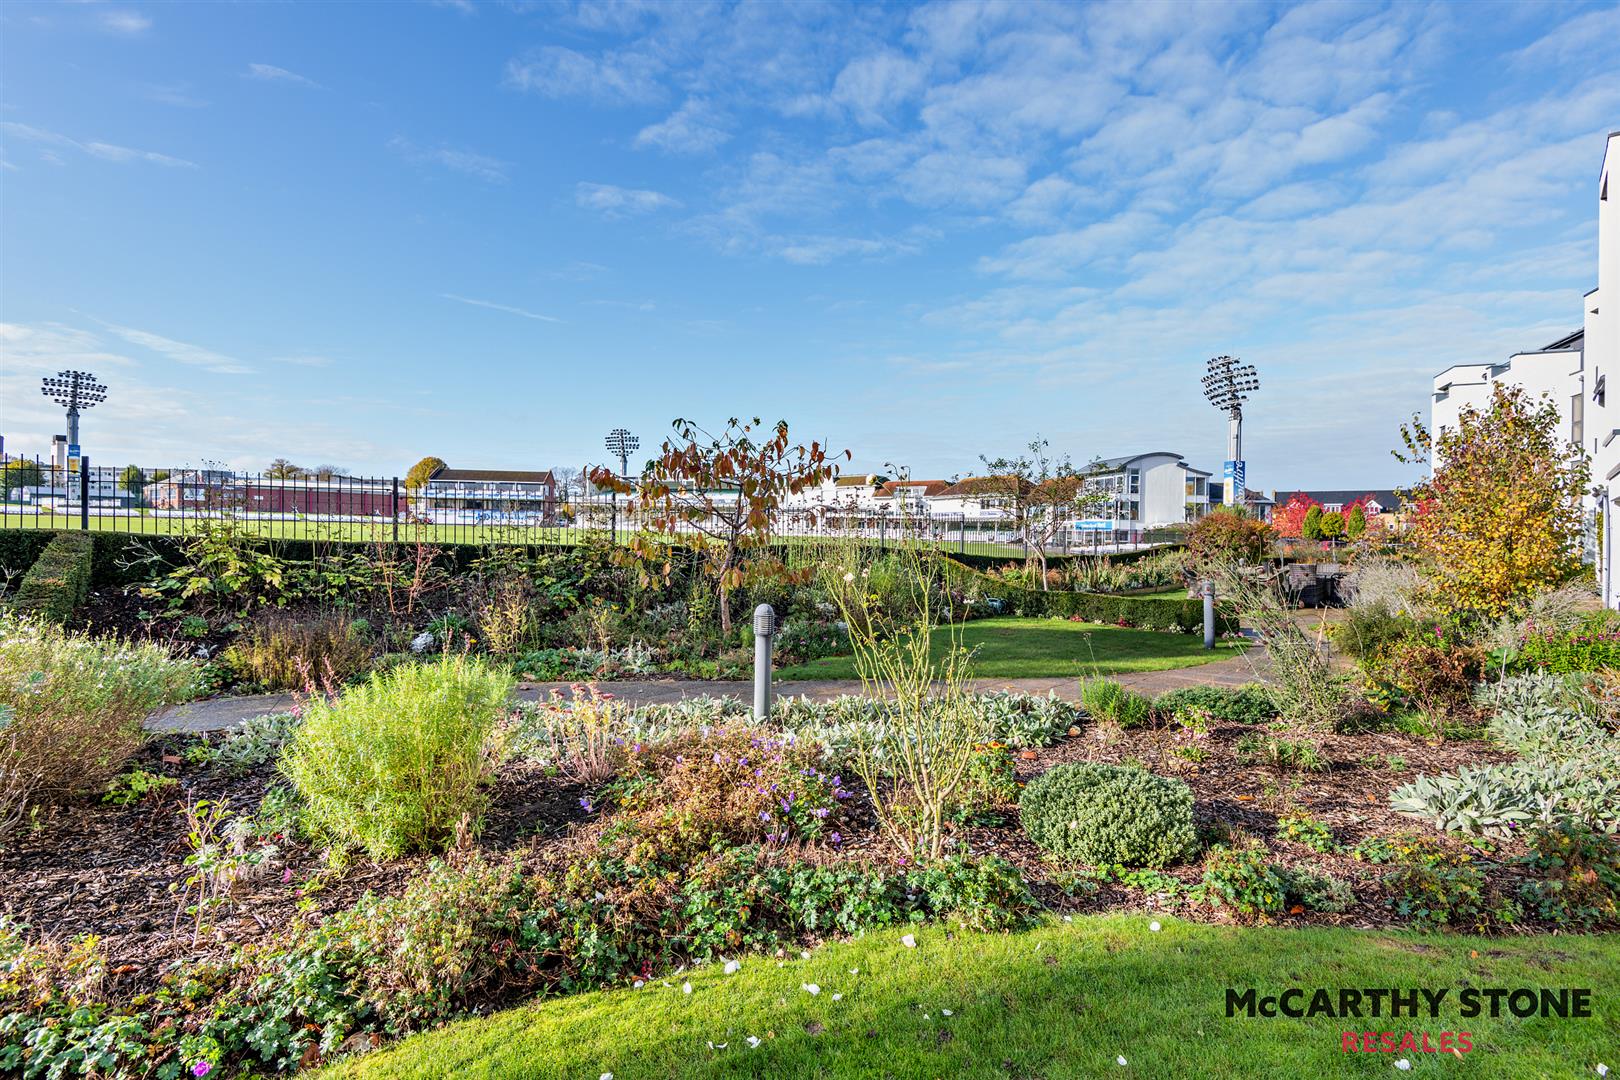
(395, 763)
(1109, 815)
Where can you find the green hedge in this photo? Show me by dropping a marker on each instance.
(21, 549)
(59, 580)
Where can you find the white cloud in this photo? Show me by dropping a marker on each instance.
(508, 309)
(179, 95)
(617, 78)
(462, 161)
(105, 151)
(271, 73)
(125, 22)
(872, 86)
(611, 201)
(47, 347)
(181, 352)
(694, 128)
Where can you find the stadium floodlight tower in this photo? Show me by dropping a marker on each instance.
(1227, 385)
(621, 444)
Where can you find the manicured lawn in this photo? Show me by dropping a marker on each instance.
(1064, 1000)
(1013, 648)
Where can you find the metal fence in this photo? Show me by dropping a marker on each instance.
(353, 509)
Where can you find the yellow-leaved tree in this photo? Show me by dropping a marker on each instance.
(1500, 517)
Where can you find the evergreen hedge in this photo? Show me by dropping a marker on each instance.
(59, 580)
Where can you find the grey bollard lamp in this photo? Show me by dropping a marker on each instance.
(764, 631)
(1209, 614)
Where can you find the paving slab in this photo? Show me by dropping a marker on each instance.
(222, 714)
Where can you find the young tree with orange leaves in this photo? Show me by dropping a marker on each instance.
(1500, 517)
(724, 490)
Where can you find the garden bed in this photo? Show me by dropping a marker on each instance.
(95, 867)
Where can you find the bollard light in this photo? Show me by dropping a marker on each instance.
(764, 631)
(1209, 614)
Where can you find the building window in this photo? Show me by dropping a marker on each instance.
(1135, 476)
(1577, 419)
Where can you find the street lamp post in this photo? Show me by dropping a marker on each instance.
(1228, 384)
(73, 390)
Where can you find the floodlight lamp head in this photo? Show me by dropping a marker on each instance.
(74, 389)
(1229, 382)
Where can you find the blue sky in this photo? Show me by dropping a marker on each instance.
(362, 233)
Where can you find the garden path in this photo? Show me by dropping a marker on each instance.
(220, 714)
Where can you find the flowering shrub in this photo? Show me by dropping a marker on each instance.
(1562, 652)
(731, 787)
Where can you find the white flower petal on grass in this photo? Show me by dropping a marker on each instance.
(1403, 1065)
(946, 1012)
(810, 988)
(838, 997)
(732, 966)
(1121, 1060)
(637, 985)
(1154, 926)
(1068, 918)
(716, 1046)
(753, 1042)
(854, 971)
(804, 955)
(909, 941)
(686, 988)
(605, 1076)
(1602, 1069)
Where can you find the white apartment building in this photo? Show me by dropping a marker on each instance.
(1146, 491)
(1601, 329)
(1573, 372)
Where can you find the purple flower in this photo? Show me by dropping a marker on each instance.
(837, 838)
(841, 794)
(679, 759)
(585, 805)
(821, 811)
(717, 758)
(764, 815)
(202, 1068)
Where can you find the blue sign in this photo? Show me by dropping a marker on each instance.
(1093, 525)
(1233, 473)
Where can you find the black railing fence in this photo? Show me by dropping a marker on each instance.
(37, 494)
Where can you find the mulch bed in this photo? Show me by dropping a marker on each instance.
(93, 867)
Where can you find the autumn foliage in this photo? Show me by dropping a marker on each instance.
(1500, 518)
(721, 491)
